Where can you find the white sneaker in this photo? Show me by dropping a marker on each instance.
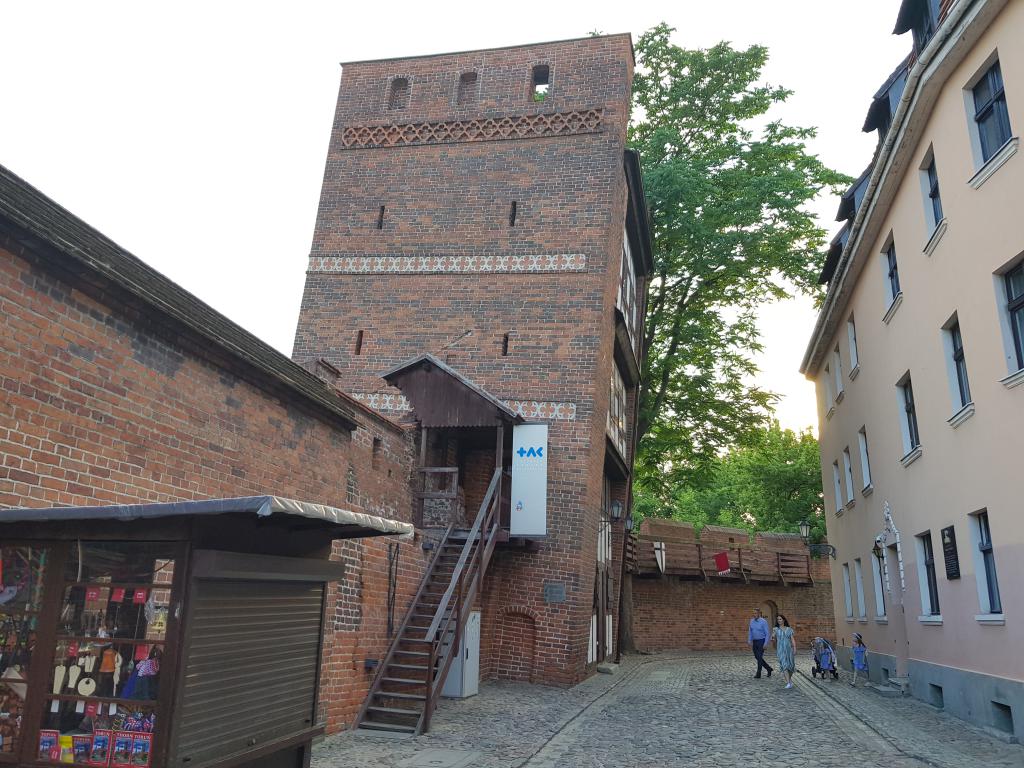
(789, 685)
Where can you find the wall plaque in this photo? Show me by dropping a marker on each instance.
(949, 553)
(554, 591)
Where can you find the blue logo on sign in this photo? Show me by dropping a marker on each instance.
(532, 453)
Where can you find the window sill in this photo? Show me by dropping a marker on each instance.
(867, 490)
(937, 233)
(840, 396)
(961, 416)
(839, 511)
(1005, 152)
(850, 503)
(991, 619)
(854, 372)
(862, 620)
(850, 620)
(933, 620)
(1013, 380)
(911, 457)
(831, 412)
(881, 619)
(896, 301)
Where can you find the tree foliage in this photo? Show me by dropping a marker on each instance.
(731, 228)
(769, 484)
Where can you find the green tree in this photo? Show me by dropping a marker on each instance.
(731, 230)
(769, 484)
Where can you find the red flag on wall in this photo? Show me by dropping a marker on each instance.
(722, 563)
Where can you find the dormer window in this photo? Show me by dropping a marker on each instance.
(540, 82)
(921, 17)
(398, 93)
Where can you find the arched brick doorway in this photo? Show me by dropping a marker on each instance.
(517, 640)
(770, 611)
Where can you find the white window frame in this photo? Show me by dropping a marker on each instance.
(847, 591)
(858, 573)
(851, 336)
(848, 471)
(837, 372)
(926, 617)
(1015, 372)
(980, 573)
(909, 451)
(876, 572)
(999, 156)
(926, 188)
(837, 486)
(865, 458)
(951, 374)
(830, 400)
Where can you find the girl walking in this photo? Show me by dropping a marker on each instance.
(860, 658)
(785, 648)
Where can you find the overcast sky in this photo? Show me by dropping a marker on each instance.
(194, 134)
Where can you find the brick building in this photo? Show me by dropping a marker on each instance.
(482, 243)
(118, 387)
(680, 600)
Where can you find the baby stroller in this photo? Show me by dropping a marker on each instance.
(824, 659)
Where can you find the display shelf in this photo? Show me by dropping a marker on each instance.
(110, 640)
(126, 703)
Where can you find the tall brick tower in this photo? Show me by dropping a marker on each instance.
(482, 208)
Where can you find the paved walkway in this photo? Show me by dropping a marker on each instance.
(699, 710)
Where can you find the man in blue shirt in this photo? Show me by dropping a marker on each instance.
(758, 636)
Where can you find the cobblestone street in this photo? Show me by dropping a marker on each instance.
(696, 710)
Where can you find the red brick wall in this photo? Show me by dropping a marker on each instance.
(99, 409)
(453, 199)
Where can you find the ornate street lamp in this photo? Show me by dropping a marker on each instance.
(814, 549)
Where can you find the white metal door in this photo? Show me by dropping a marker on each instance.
(471, 656)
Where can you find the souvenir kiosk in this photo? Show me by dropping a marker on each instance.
(184, 634)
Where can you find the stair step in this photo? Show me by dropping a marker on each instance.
(412, 653)
(395, 711)
(378, 726)
(403, 680)
(413, 640)
(393, 695)
(407, 666)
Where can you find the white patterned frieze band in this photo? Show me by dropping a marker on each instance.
(528, 409)
(419, 265)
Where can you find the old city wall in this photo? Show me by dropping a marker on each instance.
(416, 250)
(683, 612)
(104, 405)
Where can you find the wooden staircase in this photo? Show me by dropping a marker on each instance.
(408, 683)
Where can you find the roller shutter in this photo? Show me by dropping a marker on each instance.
(251, 673)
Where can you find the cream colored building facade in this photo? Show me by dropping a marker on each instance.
(919, 371)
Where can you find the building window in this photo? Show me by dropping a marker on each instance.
(927, 20)
(926, 575)
(958, 365)
(876, 572)
(851, 335)
(627, 300)
(837, 486)
(911, 437)
(466, 93)
(985, 564)
(990, 114)
(893, 271)
(865, 460)
(830, 397)
(837, 372)
(847, 592)
(858, 574)
(1014, 281)
(398, 93)
(616, 426)
(848, 470)
(540, 82)
(934, 198)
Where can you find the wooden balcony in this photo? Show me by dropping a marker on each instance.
(690, 559)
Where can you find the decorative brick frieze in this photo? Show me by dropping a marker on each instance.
(544, 262)
(528, 409)
(484, 129)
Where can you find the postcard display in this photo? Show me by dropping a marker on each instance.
(84, 628)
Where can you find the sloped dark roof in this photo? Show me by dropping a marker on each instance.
(835, 250)
(882, 103)
(82, 253)
(449, 401)
(852, 197)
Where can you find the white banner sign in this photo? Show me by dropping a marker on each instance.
(529, 480)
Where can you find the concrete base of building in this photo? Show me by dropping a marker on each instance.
(993, 703)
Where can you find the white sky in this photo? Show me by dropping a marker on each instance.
(194, 134)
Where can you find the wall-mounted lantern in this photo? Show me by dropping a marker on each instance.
(615, 512)
(814, 549)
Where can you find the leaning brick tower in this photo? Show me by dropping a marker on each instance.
(482, 207)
